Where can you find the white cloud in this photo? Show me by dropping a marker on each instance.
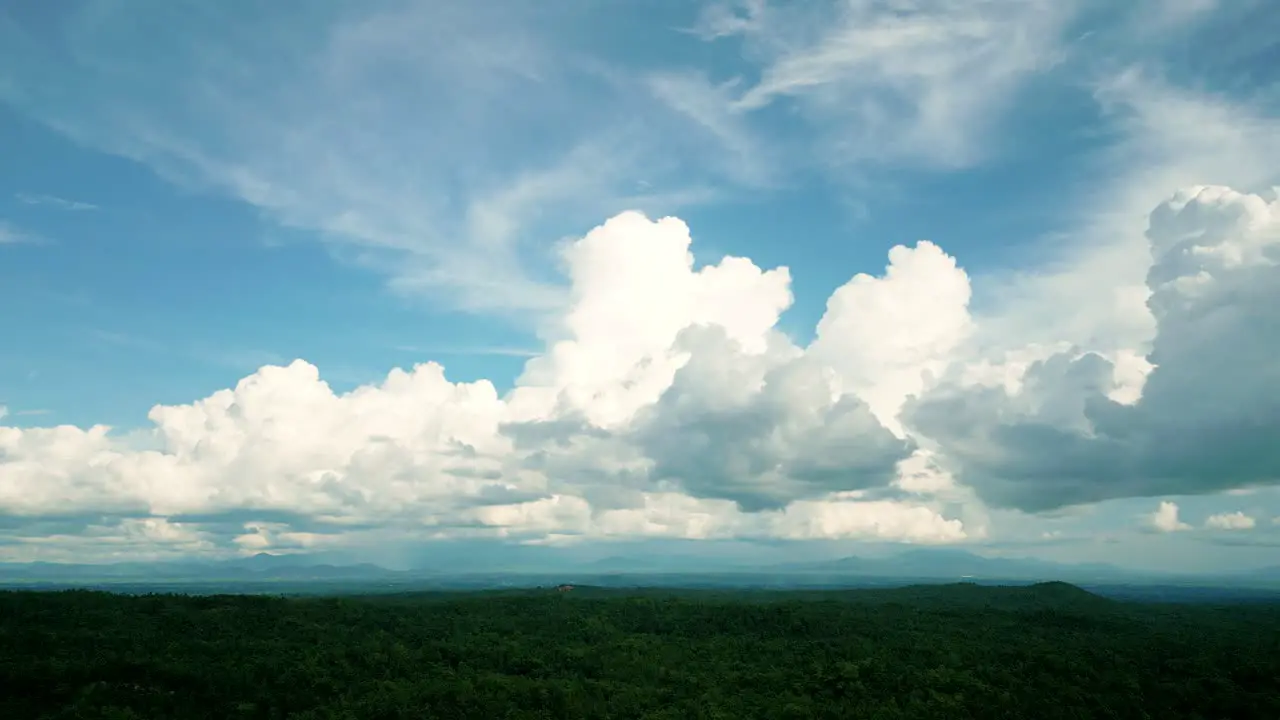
(667, 404)
(276, 537)
(726, 19)
(634, 290)
(1241, 492)
(440, 143)
(55, 202)
(11, 235)
(1167, 138)
(763, 429)
(105, 540)
(920, 81)
(676, 515)
(888, 337)
(280, 441)
(918, 473)
(1165, 518)
(1230, 521)
(555, 514)
(1207, 415)
(746, 159)
(833, 519)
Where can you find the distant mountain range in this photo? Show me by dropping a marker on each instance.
(263, 567)
(530, 565)
(949, 564)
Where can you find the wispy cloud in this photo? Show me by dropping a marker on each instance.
(920, 81)
(11, 235)
(8, 235)
(748, 160)
(450, 145)
(54, 202)
(6, 412)
(1166, 137)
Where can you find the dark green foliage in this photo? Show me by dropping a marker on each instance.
(1044, 652)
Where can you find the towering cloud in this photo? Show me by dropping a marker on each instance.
(669, 404)
(1209, 413)
(1165, 518)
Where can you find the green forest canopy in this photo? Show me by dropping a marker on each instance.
(958, 651)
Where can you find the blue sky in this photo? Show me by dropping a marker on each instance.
(192, 191)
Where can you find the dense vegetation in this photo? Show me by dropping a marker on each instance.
(1043, 652)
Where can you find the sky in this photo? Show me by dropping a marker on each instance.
(827, 276)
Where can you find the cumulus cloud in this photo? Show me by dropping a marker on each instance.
(839, 516)
(105, 539)
(1170, 137)
(666, 401)
(887, 338)
(280, 537)
(853, 519)
(1230, 521)
(280, 440)
(764, 432)
(1165, 518)
(667, 404)
(634, 289)
(1207, 415)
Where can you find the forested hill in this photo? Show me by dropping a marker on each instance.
(1057, 596)
(944, 651)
